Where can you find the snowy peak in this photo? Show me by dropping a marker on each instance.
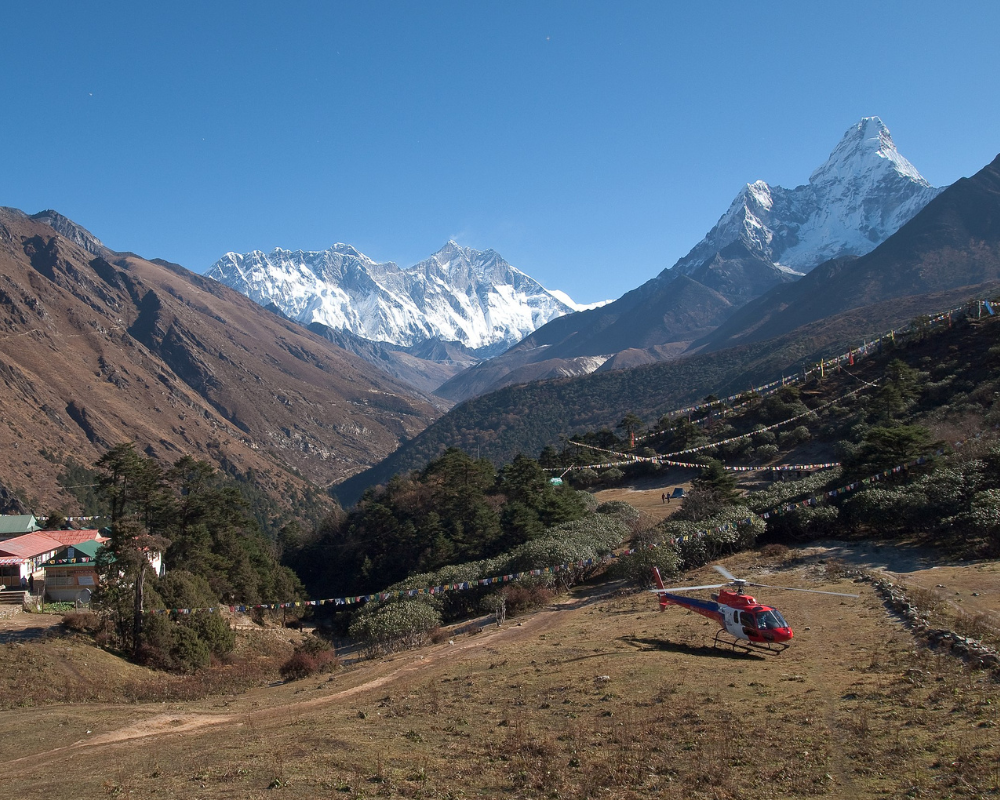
(864, 192)
(866, 147)
(458, 294)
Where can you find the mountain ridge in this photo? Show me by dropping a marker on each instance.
(458, 294)
(946, 254)
(99, 349)
(858, 197)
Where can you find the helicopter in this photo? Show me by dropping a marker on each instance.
(753, 626)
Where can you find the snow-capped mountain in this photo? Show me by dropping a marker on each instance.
(458, 294)
(862, 195)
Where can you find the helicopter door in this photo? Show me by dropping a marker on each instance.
(733, 624)
(748, 624)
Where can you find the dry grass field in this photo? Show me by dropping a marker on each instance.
(645, 494)
(599, 695)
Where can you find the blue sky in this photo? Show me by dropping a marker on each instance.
(590, 144)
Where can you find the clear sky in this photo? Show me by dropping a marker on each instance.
(590, 144)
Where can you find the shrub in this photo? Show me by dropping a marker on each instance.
(888, 511)
(82, 621)
(637, 567)
(729, 531)
(584, 477)
(612, 475)
(394, 624)
(526, 595)
(619, 508)
(214, 631)
(804, 523)
(765, 452)
(189, 653)
(311, 655)
(299, 665)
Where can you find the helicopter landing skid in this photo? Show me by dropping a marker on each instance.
(742, 646)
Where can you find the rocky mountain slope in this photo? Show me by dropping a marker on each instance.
(953, 242)
(98, 347)
(769, 236)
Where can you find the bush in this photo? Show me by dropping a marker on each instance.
(526, 595)
(82, 621)
(299, 665)
(312, 655)
(637, 567)
(765, 452)
(184, 645)
(889, 511)
(804, 523)
(613, 475)
(394, 624)
(619, 508)
(189, 653)
(584, 477)
(729, 531)
(214, 631)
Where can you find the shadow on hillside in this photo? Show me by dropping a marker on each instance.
(31, 634)
(665, 645)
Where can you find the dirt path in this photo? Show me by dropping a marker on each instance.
(171, 724)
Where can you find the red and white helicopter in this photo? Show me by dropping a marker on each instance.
(754, 626)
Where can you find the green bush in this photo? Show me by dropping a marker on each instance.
(886, 511)
(189, 652)
(394, 625)
(214, 630)
(637, 567)
(804, 522)
(170, 646)
(740, 529)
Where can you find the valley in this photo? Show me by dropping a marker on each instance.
(469, 400)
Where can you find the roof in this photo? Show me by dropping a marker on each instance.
(18, 523)
(35, 544)
(84, 555)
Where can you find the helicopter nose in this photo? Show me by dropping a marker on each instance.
(782, 634)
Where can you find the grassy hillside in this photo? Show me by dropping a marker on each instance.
(599, 696)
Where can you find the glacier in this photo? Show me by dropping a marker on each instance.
(458, 294)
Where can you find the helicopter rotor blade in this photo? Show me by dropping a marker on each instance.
(793, 589)
(725, 573)
(687, 588)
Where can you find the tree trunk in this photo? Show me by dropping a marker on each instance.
(140, 581)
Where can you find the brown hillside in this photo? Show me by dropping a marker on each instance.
(98, 347)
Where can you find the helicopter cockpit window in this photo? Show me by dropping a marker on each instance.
(770, 620)
(746, 620)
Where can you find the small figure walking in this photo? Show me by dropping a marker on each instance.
(663, 497)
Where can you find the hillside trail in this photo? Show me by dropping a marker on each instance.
(186, 722)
